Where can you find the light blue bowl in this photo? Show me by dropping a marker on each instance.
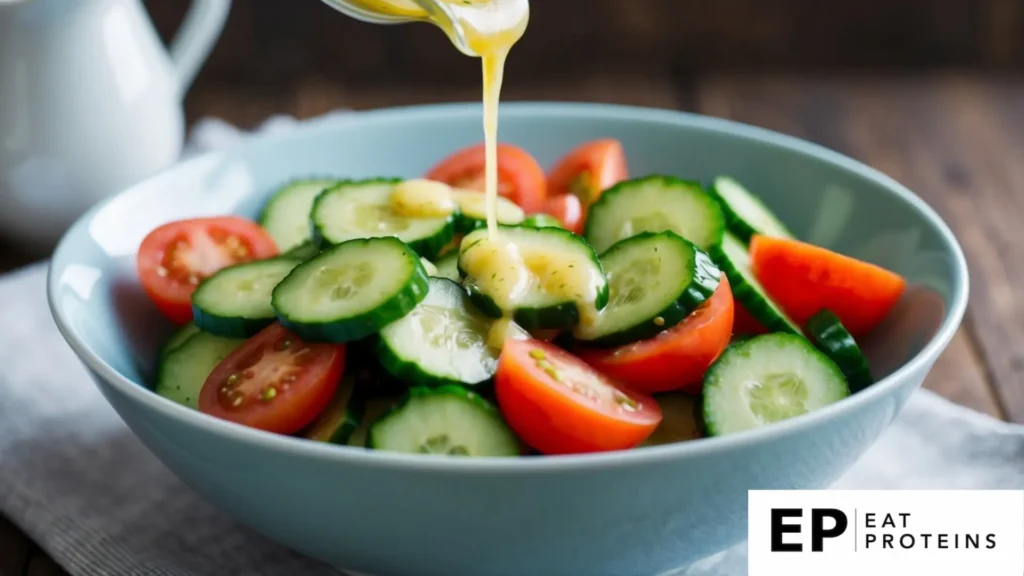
(641, 512)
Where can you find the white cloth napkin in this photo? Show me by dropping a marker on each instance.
(84, 488)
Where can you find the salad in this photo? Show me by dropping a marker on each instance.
(375, 313)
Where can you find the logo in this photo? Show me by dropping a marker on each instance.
(883, 533)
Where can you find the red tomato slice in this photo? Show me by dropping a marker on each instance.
(677, 358)
(803, 279)
(568, 209)
(588, 170)
(558, 404)
(520, 177)
(274, 382)
(175, 257)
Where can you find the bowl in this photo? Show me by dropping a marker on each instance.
(641, 512)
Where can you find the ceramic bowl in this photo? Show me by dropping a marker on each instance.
(635, 513)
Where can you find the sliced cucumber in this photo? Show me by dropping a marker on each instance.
(681, 419)
(303, 251)
(732, 257)
(351, 290)
(547, 278)
(286, 215)
(186, 368)
(177, 339)
(473, 211)
(343, 413)
(444, 340)
(448, 420)
(542, 221)
(375, 409)
(363, 209)
(448, 267)
(654, 204)
(832, 338)
(655, 280)
(745, 214)
(235, 302)
(767, 379)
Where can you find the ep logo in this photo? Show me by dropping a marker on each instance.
(823, 523)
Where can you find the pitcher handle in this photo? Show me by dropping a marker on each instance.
(195, 38)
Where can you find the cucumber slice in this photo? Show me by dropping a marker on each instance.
(235, 302)
(767, 379)
(177, 339)
(185, 370)
(681, 419)
(303, 252)
(442, 341)
(655, 280)
(448, 267)
(745, 214)
(832, 338)
(342, 415)
(351, 290)
(286, 215)
(362, 209)
(547, 278)
(473, 211)
(733, 258)
(654, 204)
(375, 409)
(542, 221)
(449, 420)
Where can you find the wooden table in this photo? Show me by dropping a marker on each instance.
(955, 139)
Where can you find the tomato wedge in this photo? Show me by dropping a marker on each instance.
(520, 177)
(803, 279)
(274, 382)
(558, 404)
(677, 358)
(588, 170)
(568, 209)
(175, 257)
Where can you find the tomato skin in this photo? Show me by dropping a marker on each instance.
(520, 177)
(553, 418)
(196, 247)
(677, 358)
(589, 169)
(304, 376)
(568, 209)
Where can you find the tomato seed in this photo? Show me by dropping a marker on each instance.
(537, 354)
(284, 344)
(659, 321)
(269, 393)
(232, 379)
(550, 371)
(161, 272)
(238, 401)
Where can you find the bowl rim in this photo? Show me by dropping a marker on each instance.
(140, 393)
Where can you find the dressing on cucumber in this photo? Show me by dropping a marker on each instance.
(832, 338)
(235, 301)
(654, 204)
(655, 281)
(286, 215)
(444, 340)
(473, 211)
(544, 278)
(732, 257)
(447, 266)
(363, 209)
(351, 290)
(185, 369)
(766, 379)
(745, 214)
(448, 420)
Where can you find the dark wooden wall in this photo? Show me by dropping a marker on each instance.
(269, 42)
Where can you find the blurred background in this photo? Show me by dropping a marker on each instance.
(306, 59)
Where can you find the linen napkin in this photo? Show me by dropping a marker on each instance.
(77, 481)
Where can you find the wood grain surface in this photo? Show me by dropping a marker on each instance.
(957, 140)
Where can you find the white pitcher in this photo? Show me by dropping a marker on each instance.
(90, 102)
